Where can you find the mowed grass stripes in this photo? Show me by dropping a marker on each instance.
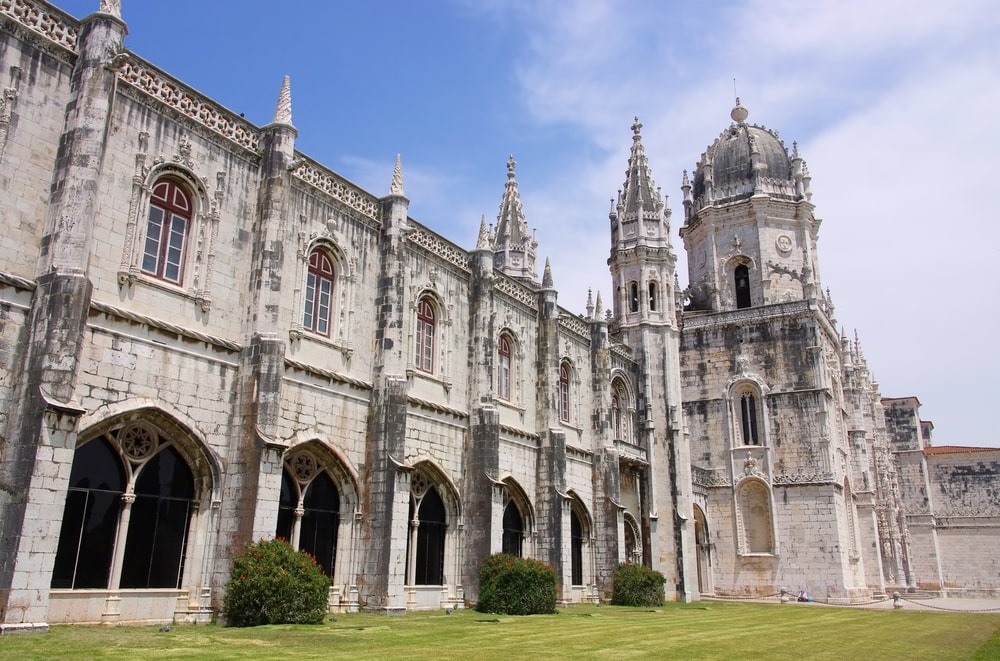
(705, 630)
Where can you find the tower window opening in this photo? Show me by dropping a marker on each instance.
(652, 296)
(742, 276)
(748, 418)
(633, 296)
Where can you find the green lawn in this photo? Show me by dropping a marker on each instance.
(706, 630)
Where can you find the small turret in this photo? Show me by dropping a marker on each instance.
(514, 250)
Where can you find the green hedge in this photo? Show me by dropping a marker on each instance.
(637, 585)
(516, 586)
(271, 583)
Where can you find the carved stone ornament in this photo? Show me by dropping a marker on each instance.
(138, 441)
(784, 244)
(304, 466)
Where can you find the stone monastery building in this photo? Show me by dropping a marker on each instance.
(207, 338)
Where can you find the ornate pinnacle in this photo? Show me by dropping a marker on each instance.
(590, 305)
(547, 274)
(599, 304)
(112, 7)
(484, 235)
(283, 111)
(396, 188)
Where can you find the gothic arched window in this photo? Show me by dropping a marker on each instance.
(742, 281)
(426, 324)
(753, 502)
(319, 293)
(513, 530)
(121, 532)
(564, 391)
(576, 547)
(429, 567)
(652, 295)
(503, 367)
(314, 527)
(167, 226)
(749, 418)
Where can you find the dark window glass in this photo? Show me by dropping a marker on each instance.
(318, 534)
(90, 518)
(425, 336)
(157, 534)
(513, 530)
(430, 540)
(576, 539)
(564, 392)
(742, 276)
(748, 418)
(287, 503)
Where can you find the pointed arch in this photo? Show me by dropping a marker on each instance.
(633, 540)
(580, 533)
(516, 530)
(147, 477)
(318, 496)
(754, 517)
(434, 514)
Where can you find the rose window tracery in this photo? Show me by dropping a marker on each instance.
(138, 441)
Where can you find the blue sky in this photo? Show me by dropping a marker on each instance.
(893, 105)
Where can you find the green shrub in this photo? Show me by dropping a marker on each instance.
(637, 585)
(271, 583)
(516, 586)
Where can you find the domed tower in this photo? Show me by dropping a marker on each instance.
(772, 436)
(749, 228)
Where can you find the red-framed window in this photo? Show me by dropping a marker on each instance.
(167, 227)
(426, 324)
(503, 353)
(564, 392)
(319, 294)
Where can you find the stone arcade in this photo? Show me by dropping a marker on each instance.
(190, 360)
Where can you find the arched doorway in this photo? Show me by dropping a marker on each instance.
(703, 547)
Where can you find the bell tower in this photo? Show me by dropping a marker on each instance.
(749, 228)
(642, 259)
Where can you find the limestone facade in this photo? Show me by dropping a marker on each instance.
(209, 338)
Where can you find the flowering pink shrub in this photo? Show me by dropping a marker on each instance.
(272, 583)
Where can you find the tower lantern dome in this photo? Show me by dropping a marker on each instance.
(745, 159)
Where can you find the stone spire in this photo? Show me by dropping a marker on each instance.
(590, 304)
(283, 111)
(639, 194)
(514, 249)
(547, 275)
(483, 243)
(396, 187)
(599, 305)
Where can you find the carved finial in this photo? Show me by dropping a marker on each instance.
(484, 235)
(283, 111)
(511, 166)
(547, 274)
(739, 114)
(590, 304)
(112, 7)
(636, 128)
(396, 187)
